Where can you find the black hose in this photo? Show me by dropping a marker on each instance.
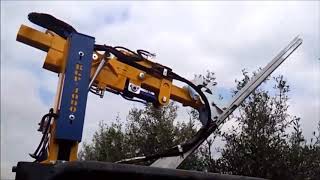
(140, 58)
(49, 22)
(94, 92)
(64, 30)
(50, 115)
(205, 112)
(121, 57)
(142, 53)
(174, 151)
(130, 60)
(134, 100)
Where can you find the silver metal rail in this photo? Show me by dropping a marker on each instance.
(175, 161)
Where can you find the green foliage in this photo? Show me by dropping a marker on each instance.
(303, 158)
(261, 145)
(151, 130)
(108, 144)
(147, 131)
(265, 140)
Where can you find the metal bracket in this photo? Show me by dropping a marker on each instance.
(134, 88)
(75, 89)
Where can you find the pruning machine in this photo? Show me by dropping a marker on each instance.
(82, 67)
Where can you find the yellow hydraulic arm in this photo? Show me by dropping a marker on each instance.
(121, 71)
(113, 75)
(108, 72)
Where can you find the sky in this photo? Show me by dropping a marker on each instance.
(189, 37)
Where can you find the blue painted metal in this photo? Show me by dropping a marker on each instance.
(75, 87)
(148, 97)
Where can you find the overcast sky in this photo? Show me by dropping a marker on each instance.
(189, 37)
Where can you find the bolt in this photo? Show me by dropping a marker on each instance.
(81, 53)
(72, 117)
(141, 76)
(164, 99)
(94, 56)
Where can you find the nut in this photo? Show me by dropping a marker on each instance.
(141, 76)
(72, 117)
(81, 53)
(94, 56)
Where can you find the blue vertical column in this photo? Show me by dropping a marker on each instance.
(69, 125)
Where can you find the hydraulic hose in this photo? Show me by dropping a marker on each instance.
(64, 30)
(41, 145)
(204, 113)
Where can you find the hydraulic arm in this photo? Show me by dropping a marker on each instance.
(84, 66)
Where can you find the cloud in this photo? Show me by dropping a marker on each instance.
(189, 37)
(21, 110)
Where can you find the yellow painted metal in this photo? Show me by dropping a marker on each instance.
(53, 143)
(34, 38)
(53, 147)
(113, 75)
(55, 61)
(74, 152)
(53, 44)
(164, 91)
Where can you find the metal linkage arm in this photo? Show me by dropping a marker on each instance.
(175, 161)
(112, 73)
(81, 67)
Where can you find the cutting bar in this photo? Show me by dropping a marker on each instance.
(175, 161)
